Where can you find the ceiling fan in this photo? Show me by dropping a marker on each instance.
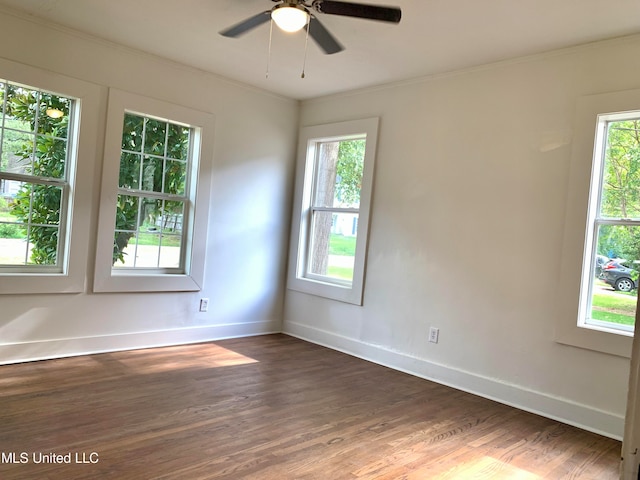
(294, 15)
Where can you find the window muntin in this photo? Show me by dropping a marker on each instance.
(152, 202)
(337, 179)
(609, 293)
(35, 170)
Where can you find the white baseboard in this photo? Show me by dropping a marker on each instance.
(70, 347)
(560, 409)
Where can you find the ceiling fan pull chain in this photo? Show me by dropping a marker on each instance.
(306, 43)
(269, 51)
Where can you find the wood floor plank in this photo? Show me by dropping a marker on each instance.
(271, 408)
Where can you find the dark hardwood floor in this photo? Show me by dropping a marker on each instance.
(270, 407)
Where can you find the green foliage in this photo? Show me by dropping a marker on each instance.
(35, 204)
(10, 230)
(349, 171)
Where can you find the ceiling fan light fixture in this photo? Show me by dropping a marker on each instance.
(290, 18)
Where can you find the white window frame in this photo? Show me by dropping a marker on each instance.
(576, 265)
(298, 279)
(70, 276)
(109, 279)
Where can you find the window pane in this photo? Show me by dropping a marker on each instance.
(154, 136)
(43, 245)
(333, 245)
(45, 204)
(172, 217)
(13, 245)
(127, 213)
(51, 155)
(175, 177)
(615, 276)
(17, 152)
(339, 174)
(53, 115)
(621, 171)
(170, 251)
(152, 174)
(21, 107)
(130, 170)
(132, 132)
(178, 142)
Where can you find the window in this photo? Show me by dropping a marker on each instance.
(46, 171)
(34, 178)
(333, 194)
(153, 200)
(601, 223)
(154, 208)
(612, 253)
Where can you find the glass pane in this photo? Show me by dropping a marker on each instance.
(621, 171)
(178, 142)
(615, 276)
(53, 115)
(175, 177)
(45, 204)
(130, 170)
(127, 213)
(339, 174)
(132, 132)
(170, 251)
(51, 156)
(333, 245)
(13, 244)
(152, 174)
(17, 151)
(43, 245)
(172, 217)
(148, 250)
(21, 108)
(154, 136)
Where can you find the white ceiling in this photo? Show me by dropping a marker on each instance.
(434, 36)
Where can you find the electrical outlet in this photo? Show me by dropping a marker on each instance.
(204, 304)
(433, 334)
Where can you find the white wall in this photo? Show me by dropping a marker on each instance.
(249, 212)
(467, 233)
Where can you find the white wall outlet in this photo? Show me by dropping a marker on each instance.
(433, 334)
(204, 304)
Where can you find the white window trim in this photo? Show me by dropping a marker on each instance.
(569, 330)
(309, 136)
(107, 279)
(82, 154)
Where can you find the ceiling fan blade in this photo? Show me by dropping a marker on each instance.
(360, 10)
(246, 25)
(323, 37)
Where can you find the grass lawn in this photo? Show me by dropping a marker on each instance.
(614, 308)
(345, 273)
(341, 245)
